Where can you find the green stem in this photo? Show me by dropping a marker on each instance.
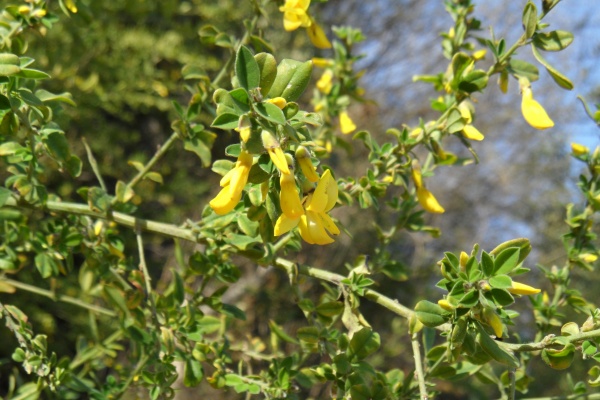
(419, 366)
(157, 156)
(97, 352)
(145, 273)
(94, 164)
(57, 297)
(583, 396)
(512, 386)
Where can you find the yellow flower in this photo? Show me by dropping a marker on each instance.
(289, 200)
(277, 155)
(445, 304)
(479, 54)
(428, 201)
(425, 197)
(579, 149)
(588, 257)
(233, 185)
(521, 288)
(278, 101)
(346, 124)
(322, 62)
(295, 15)
(315, 224)
(303, 158)
(470, 132)
(317, 36)
(324, 84)
(493, 320)
(533, 112)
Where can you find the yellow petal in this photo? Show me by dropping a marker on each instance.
(480, 54)
(470, 132)
(533, 112)
(521, 288)
(328, 224)
(324, 83)
(317, 36)
(325, 195)
(240, 174)
(224, 202)
(416, 174)
(579, 149)
(322, 62)
(315, 229)
(494, 321)
(428, 201)
(278, 158)
(445, 304)
(285, 224)
(280, 102)
(291, 22)
(289, 199)
(308, 169)
(465, 112)
(346, 124)
(226, 179)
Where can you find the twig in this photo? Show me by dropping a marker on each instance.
(93, 164)
(419, 366)
(57, 297)
(513, 383)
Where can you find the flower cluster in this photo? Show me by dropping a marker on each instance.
(308, 213)
(295, 15)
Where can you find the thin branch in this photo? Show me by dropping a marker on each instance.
(419, 366)
(57, 297)
(93, 164)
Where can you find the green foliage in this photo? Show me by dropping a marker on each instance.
(112, 323)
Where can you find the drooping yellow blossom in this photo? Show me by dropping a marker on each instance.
(521, 288)
(315, 224)
(479, 54)
(346, 124)
(322, 62)
(445, 304)
(579, 149)
(289, 199)
(278, 101)
(493, 320)
(308, 169)
(425, 197)
(588, 257)
(533, 112)
(277, 155)
(469, 131)
(233, 184)
(317, 36)
(324, 84)
(295, 14)
(428, 201)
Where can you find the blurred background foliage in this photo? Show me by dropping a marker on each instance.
(122, 62)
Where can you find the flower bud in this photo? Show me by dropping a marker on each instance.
(522, 289)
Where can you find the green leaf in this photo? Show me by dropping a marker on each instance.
(280, 333)
(559, 78)
(455, 122)
(523, 69)
(209, 324)
(559, 359)
(123, 192)
(292, 79)
(552, 41)
(506, 261)
(201, 145)
(268, 71)
(73, 165)
(4, 195)
(4, 102)
(363, 343)
(116, 298)
(469, 300)
(32, 74)
(226, 121)
(233, 311)
(330, 308)
(46, 265)
(501, 297)
(45, 96)
(8, 69)
(491, 347)
(58, 145)
(308, 334)
(530, 19)
(246, 69)
(474, 81)
(487, 264)
(500, 281)
(522, 243)
(193, 374)
(271, 112)
(430, 314)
